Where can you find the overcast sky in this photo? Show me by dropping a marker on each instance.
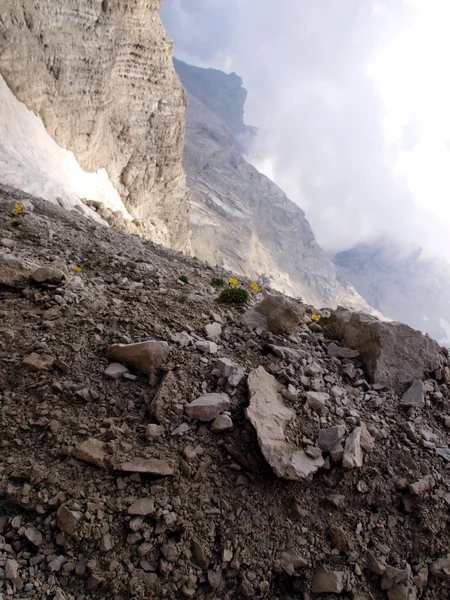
(353, 101)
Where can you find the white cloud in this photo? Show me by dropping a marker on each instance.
(352, 100)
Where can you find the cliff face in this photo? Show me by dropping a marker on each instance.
(100, 75)
(397, 280)
(242, 220)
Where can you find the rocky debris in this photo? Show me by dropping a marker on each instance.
(67, 519)
(152, 466)
(92, 451)
(223, 517)
(330, 437)
(394, 354)
(143, 356)
(317, 401)
(230, 371)
(115, 371)
(208, 407)
(270, 417)
(48, 275)
(328, 582)
(278, 314)
(14, 271)
(39, 362)
(207, 347)
(414, 396)
(353, 453)
(334, 350)
(11, 569)
(441, 568)
(221, 423)
(142, 506)
(213, 331)
(423, 485)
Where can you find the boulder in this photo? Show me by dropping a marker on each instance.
(414, 396)
(394, 354)
(15, 272)
(270, 417)
(143, 356)
(353, 453)
(278, 314)
(92, 451)
(208, 407)
(338, 352)
(67, 520)
(328, 582)
(330, 436)
(48, 275)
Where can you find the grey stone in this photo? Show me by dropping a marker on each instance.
(334, 350)
(152, 466)
(115, 371)
(142, 506)
(414, 396)
(207, 347)
(278, 314)
(353, 453)
(330, 436)
(48, 274)
(441, 568)
(208, 407)
(328, 582)
(221, 423)
(143, 356)
(15, 272)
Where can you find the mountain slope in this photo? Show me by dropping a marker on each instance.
(100, 76)
(399, 281)
(240, 218)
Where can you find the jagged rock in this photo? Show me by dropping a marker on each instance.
(143, 356)
(153, 431)
(213, 331)
(393, 353)
(394, 577)
(423, 485)
(182, 338)
(328, 582)
(11, 569)
(207, 347)
(278, 314)
(152, 466)
(317, 401)
(443, 453)
(214, 579)
(48, 275)
(367, 441)
(269, 416)
(330, 436)
(441, 568)
(142, 506)
(39, 362)
(339, 539)
(92, 451)
(14, 271)
(402, 592)
(353, 453)
(290, 354)
(34, 536)
(221, 423)
(164, 406)
(208, 407)
(374, 564)
(67, 520)
(334, 350)
(414, 396)
(232, 372)
(115, 371)
(291, 561)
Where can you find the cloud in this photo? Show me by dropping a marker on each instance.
(338, 133)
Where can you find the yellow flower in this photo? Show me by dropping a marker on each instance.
(77, 269)
(233, 281)
(315, 317)
(255, 287)
(18, 208)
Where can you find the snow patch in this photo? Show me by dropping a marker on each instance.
(32, 161)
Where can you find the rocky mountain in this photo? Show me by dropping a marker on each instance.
(240, 219)
(157, 442)
(99, 74)
(402, 283)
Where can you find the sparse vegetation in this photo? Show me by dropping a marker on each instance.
(182, 299)
(237, 296)
(218, 283)
(184, 278)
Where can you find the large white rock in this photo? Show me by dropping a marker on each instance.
(270, 417)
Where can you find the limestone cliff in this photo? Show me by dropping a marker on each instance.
(242, 220)
(100, 75)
